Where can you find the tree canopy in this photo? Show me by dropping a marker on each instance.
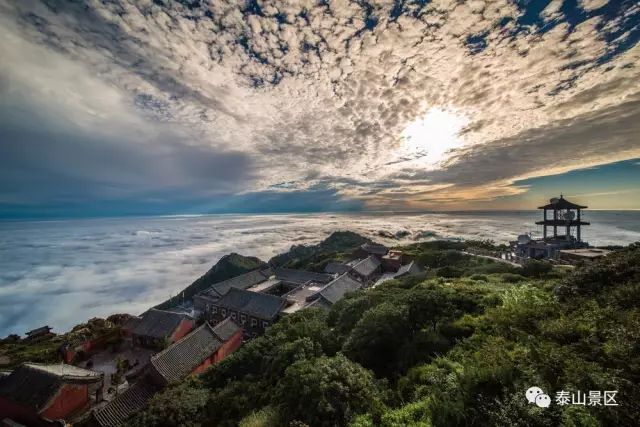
(436, 351)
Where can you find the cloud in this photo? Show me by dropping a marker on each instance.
(130, 265)
(590, 5)
(319, 94)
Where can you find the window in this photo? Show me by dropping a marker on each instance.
(206, 307)
(233, 316)
(243, 318)
(265, 324)
(224, 312)
(254, 322)
(214, 309)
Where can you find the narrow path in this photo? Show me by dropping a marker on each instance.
(511, 263)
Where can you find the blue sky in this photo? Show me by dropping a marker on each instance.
(161, 107)
(610, 186)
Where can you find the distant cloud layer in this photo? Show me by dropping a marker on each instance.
(197, 100)
(64, 272)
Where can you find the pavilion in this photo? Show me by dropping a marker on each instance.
(562, 229)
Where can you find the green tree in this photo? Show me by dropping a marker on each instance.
(378, 336)
(182, 405)
(326, 391)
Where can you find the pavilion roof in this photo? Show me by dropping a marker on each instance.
(561, 203)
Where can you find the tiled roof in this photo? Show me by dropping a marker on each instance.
(561, 203)
(39, 331)
(6, 422)
(242, 281)
(410, 268)
(335, 290)
(367, 266)
(158, 323)
(262, 306)
(131, 323)
(179, 359)
(321, 303)
(34, 385)
(300, 277)
(133, 400)
(226, 329)
(374, 248)
(265, 286)
(336, 267)
(173, 364)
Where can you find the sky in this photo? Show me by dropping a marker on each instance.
(155, 107)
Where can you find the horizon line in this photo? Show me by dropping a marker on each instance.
(339, 212)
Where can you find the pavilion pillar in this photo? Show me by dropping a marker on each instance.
(544, 227)
(578, 228)
(555, 227)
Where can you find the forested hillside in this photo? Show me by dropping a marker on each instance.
(458, 346)
(227, 267)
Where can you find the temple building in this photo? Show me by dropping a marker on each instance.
(39, 332)
(192, 355)
(253, 311)
(562, 229)
(367, 270)
(158, 328)
(39, 395)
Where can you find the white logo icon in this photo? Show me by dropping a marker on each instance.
(543, 400)
(532, 393)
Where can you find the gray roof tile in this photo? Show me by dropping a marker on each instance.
(374, 248)
(243, 281)
(262, 306)
(300, 277)
(179, 359)
(411, 268)
(336, 267)
(133, 400)
(367, 266)
(335, 290)
(34, 385)
(158, 323)
(226, 329)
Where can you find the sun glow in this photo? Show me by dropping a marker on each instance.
(429, 138)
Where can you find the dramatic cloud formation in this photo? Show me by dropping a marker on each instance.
(64, 272)
(385, 103)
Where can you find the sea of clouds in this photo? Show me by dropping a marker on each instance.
(64, 272)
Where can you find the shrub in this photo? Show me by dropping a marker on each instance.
(449, 272)
(512, 278)
(535, 268)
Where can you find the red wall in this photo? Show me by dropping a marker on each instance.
(70, 398)
(183, 329)
(227, 348)
(203, 366)
(19, 413)
(89, 346)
